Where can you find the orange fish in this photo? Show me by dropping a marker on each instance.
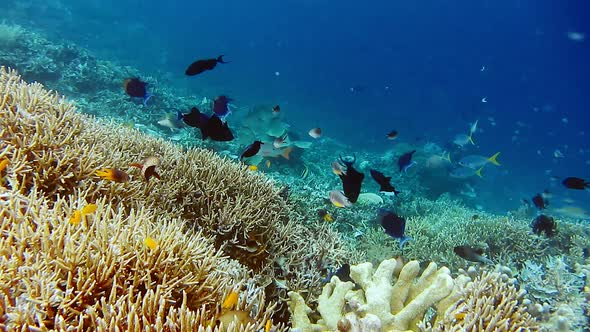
(112, 174)
(3, 164)
(148, 168)
(315, 132)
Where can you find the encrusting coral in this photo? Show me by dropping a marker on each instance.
(384, 305)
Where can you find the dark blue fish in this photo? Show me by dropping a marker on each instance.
(544, 224)
(135, 87)
(576, 183)
(211, 127)
(194, 119)
(472, 254)
(405, 161)
(217, 130)
(251, 150)
(394, 226)
(351, 180)
(221, 108)
(384, 183)
(200, 66)
(540, 202)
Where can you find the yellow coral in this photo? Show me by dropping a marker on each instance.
(98, 276)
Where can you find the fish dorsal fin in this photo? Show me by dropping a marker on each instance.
(285, 154)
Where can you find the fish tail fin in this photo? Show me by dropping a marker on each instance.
(146, 98)
(471, 138)
(285, 154)
(478, 172)
(447, 156)
(494, 159)
(220, 59)
(403, 241)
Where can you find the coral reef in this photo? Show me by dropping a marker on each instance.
(382, 304)
(203, 204)
(489, 303)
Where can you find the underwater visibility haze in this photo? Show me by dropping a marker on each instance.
(314, 136)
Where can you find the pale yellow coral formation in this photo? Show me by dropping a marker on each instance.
(56, 151)
(489, 303)
(380, 303)
(97, 273)
(388, 303)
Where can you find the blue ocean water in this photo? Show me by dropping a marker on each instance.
(359, 70)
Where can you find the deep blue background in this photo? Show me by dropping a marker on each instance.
(417, 62)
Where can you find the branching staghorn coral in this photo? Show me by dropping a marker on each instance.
(489, 303)
(54, 152)
(99, 274)
(444, 224)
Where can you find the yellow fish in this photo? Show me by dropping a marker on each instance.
(3, 164)
(253, 168)
(79, 214)
(150, 243)
(268, 325)
(328, 217)
(89, 209)
(230, 301)
(76, 217)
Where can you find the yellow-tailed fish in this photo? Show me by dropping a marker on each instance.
(328, 217)
(253, 168)
(268, 164)
(268, 325)
(338, 199)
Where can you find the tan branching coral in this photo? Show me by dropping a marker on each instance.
(386, 302)
(99, 274)
(489, 303)
(56, 150)
(74, 249)
(381, 303)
